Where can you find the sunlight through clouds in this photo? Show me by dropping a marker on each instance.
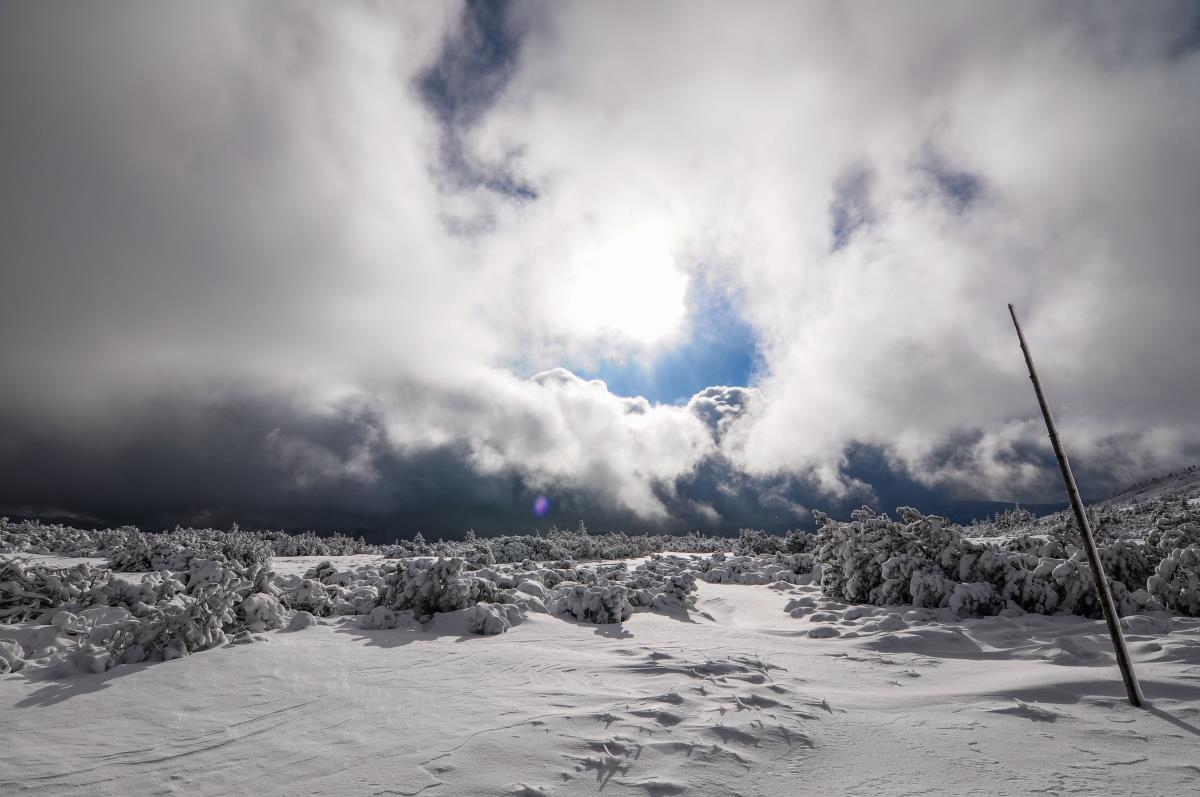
(627, 286)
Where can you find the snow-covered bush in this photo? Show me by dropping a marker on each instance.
(152, 589)
(378, 618)
(261, 612)
(662, 583)
(300, 621)
(27, 589)
(356, 600)
(11, 656)
(800, 542)
(977, 599)
(737, 570)
(140, 552)
(491, 618)
(306, 594)
(924, 561)
(321, 571)
(1176, 581)
(1175, 530)
(184, 625)
(752, 542)
(599, 604)
(132, 550)
(430, 586)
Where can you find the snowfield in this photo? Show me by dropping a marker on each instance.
(877, 655)
(736, 697)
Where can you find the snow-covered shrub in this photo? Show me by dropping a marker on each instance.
(752, 542)
(246, 550)
(184, 625)
(926, 562)
(1176, 581)
(132, 550)
(853, 554)
(599, 604)
(721, 569)
(1175, 530)
(676, 593)
(430, 586)
(139, 551)
(300, 621)
(312, 544)
(1129, 562)
(662, 583)
(927, 588)
(321, 571)
(306, 594)
(796, 541)
(1008, 519)
(491, 618)
(978, 599)
(501, 578)
(356, 600)
(11, 656)
(153, 588)
(27, 589)
(261, 612)
(192, 610)
(378, 618)
(477, 552)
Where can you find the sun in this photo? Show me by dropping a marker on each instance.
(627, 286)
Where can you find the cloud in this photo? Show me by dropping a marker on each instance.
(297, 259)
(879, 197)
(558, 430)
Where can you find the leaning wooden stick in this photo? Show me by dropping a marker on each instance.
(1132, 687)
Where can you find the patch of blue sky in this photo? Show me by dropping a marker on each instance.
(718, 348)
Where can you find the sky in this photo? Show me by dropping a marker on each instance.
(401, 267)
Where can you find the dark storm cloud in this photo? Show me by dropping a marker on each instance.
(263, 461)
(268, 461)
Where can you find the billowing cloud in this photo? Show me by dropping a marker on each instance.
(878, 185)
(279, 261)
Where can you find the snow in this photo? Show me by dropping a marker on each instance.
(880, 656)
(735, 695)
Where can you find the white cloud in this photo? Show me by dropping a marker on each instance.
(1076, 128)
(236, 199)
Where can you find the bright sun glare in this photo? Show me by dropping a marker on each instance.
(628, 285)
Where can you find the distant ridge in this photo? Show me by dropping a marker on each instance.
(1175, 481)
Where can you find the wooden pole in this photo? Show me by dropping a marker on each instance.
(1132, 688)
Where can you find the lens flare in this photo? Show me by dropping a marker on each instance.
(541, 505)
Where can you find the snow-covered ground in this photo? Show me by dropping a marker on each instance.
(771, 690)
